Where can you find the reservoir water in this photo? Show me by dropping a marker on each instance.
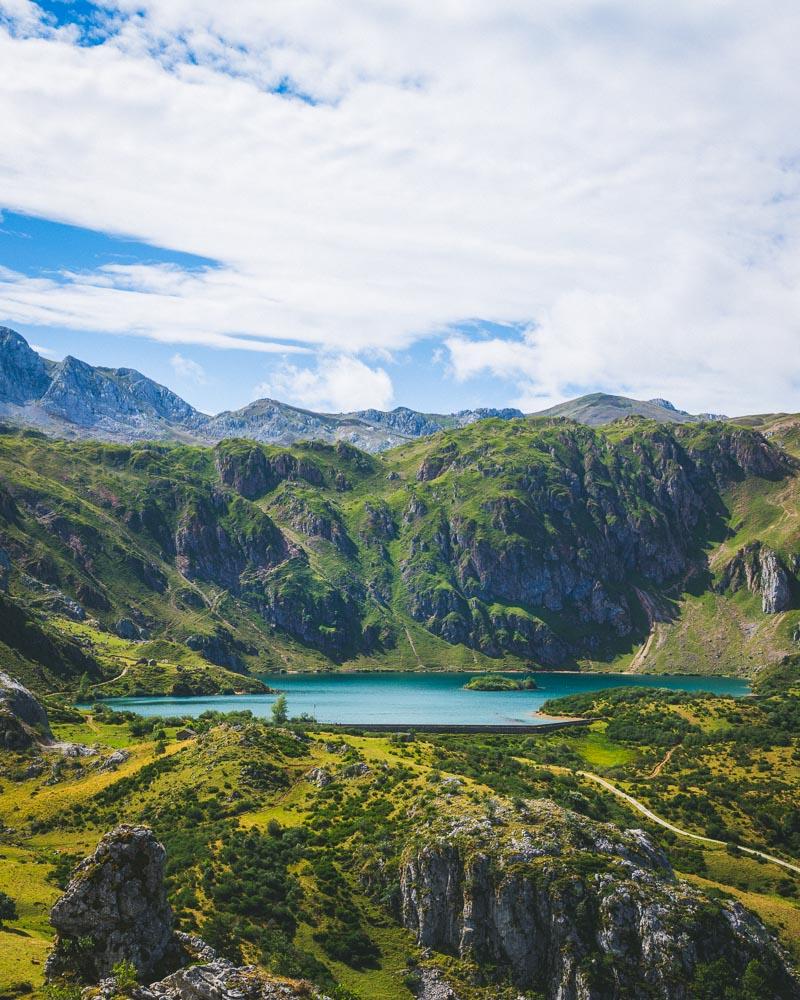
(415, 698)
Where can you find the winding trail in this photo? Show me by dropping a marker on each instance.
(642, 808)
(662, 763)
(112, 679)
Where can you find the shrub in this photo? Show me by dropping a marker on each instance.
(8, 908)
(126, 976)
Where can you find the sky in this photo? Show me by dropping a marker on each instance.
(393, 202)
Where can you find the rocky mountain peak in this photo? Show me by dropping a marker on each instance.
(75, 399)
(23, 373)
(152, 397)
(401, 419)
(465, 417)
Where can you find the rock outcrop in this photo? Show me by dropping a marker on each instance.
(759, 569)
(210, 550)
(574, 909)
(222, 648)
(23, 721)
(319, 776)
(115, 909)
(431, 985)
(221, 980)
(776, 594)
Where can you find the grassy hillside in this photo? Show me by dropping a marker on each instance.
(504, 544)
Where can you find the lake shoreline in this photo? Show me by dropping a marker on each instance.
(417, 671)
(402, 699)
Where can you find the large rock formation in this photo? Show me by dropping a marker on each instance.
(115, 908)
(576, 518)
(759, 569)
(209, 551)
(776, 594)
(23, 721)
(575, 909)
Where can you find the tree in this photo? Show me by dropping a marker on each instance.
(8, 908)
(279, 712)
(761, 979)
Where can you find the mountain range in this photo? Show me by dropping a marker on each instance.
(73, 399)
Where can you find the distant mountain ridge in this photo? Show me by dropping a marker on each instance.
(600, 408)
(73, 399)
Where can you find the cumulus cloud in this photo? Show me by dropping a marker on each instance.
(336, 385)
(623, 178)
(189, 370)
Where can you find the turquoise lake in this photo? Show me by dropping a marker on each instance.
(404, 698)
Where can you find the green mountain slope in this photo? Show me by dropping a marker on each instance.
(503, 543)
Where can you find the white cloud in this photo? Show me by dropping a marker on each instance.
(21, 15)
(189, 370)
(624, 177)
(336, 385)
(47, 352)
(161, 302)
(734, 357)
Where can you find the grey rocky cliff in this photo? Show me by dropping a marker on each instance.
(23, 721)
(411, 423)
(23, 374)
(115, 909)
(574, 909)
(246, 468)
(759, 569)
(207, 550)
(89, 397)
(78, 399)
(776, 592)
(403, 421)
